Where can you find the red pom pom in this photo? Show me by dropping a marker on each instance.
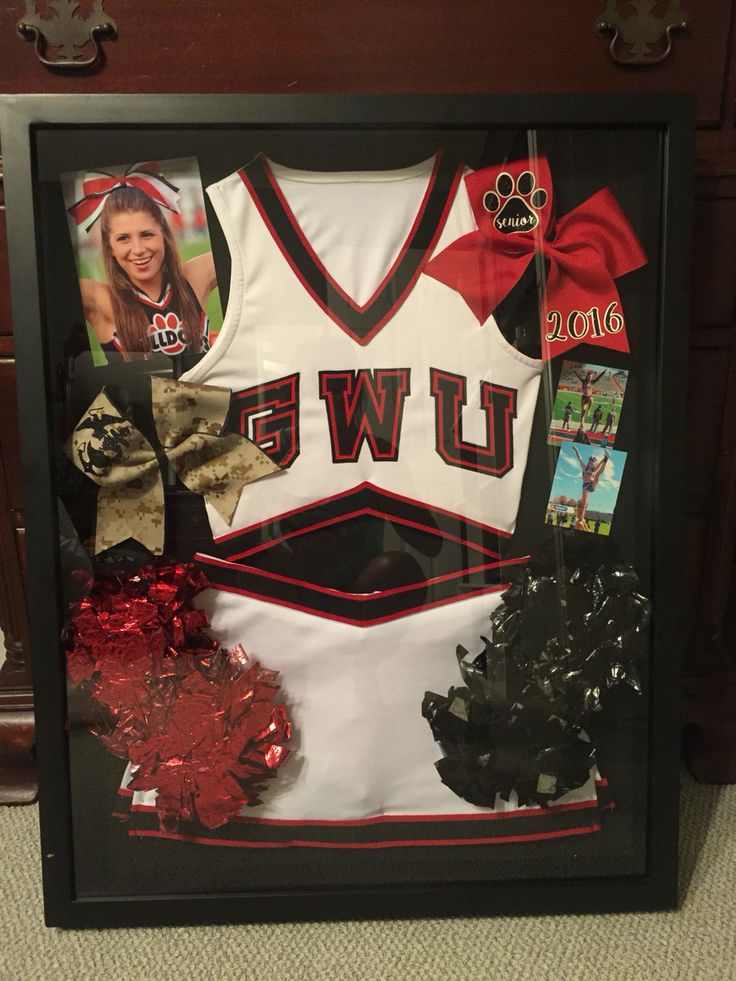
(198, 723)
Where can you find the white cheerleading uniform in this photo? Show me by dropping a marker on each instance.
(402, 426)
(414, 330)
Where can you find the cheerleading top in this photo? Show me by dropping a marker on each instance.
(370, 383)
(165, 327)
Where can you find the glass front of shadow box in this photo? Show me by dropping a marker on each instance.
(355, 458)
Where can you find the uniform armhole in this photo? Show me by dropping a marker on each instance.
(536, 364)
(234, 305)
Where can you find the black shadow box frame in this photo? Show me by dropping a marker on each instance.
(43, 136)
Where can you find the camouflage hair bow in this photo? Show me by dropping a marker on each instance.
(189, 419)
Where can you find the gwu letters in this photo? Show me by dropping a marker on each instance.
(364, 411)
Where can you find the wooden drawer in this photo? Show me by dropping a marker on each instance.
(714, 262)
(384, 46)
(708, 373)
(694, 532)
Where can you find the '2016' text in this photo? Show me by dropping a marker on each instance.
(581, 323)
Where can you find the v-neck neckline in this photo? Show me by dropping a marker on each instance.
(360, 321)
(158, 304)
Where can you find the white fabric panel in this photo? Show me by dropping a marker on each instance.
(354, 695)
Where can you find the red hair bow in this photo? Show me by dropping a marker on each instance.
(587, 249)
(147, 177)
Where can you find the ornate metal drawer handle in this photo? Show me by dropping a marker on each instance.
(67, 31)
(640, 30)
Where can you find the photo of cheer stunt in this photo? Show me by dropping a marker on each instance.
(588, 404)
(585, 488)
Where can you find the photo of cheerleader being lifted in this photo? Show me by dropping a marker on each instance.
(585, 488)
(146, 273)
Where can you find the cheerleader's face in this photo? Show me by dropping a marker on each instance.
(137, 243)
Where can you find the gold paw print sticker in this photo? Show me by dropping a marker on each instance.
(515, 204)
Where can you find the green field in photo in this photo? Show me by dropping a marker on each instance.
(604, 401)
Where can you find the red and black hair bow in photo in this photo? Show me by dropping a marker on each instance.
(147, 177)
(587, 249)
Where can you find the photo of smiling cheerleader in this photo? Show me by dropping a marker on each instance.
(146, 273)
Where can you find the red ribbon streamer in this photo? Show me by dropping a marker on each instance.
(587, 249)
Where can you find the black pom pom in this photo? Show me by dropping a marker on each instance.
(563, 637)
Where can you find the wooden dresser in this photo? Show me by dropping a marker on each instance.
(435, 46)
